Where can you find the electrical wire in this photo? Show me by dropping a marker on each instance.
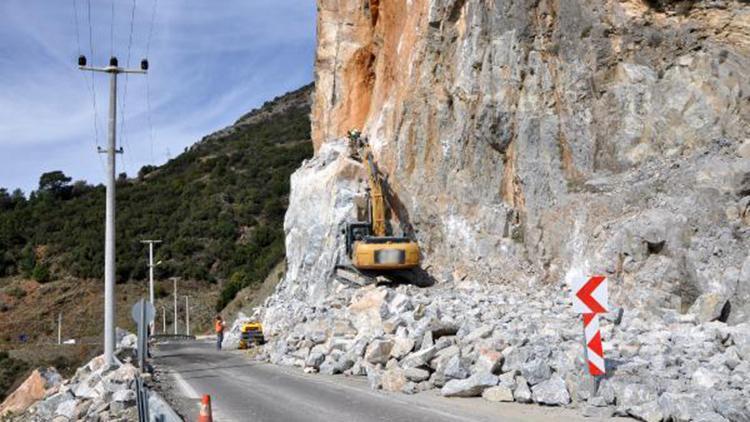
(123, 132)
(92, 87)
(148, 81)
(78, 31)
(151, 27)
(112, 32)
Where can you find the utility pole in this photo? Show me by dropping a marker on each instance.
(187, 316)
(109, 235)
(163, 320)
(151, 266)
(59, 328)
(175, 305)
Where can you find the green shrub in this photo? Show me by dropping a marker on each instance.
(160, 292)
(41, 273)
(11, 372)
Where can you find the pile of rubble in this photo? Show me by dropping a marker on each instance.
(40, 383)
(97, 392)
(523, 345)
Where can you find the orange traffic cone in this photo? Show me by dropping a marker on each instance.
(205, 413)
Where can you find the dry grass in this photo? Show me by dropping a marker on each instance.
(34, 314)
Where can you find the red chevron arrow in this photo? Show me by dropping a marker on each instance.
(587, 290)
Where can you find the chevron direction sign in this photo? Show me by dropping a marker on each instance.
(594, 351)
(590, 296)
(590, 299)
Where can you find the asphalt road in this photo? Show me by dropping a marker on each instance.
(242, 390)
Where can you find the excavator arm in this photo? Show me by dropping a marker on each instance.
(377, 200)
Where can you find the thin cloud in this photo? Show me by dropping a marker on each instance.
(209, 65)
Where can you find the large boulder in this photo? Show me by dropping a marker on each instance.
(522, 393)
(416, 374)
(457, 368)
(536, 371)
(379, 351)
(420, 358)
(393, 380)
(479, 333)
(488, 360)
(710, 307)
(500, 393)
(402, 346)
(552, 392)
(315, 359)
(365, 311)
(46, 409)
(40, 383)
(469, 387)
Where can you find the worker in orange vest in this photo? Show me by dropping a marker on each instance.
(219, 326)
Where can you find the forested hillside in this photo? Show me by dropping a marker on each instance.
(219, 208)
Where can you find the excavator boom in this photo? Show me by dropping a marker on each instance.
(377, 201)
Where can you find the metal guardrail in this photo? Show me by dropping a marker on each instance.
(141, 398)
(151, 406)
(158, 337)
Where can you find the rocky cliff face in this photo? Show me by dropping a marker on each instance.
(529, 143)
(536, 141)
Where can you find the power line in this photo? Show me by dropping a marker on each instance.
(78, 32)
(132, 21)
(112, 32)
(85, 81)
(93, 85)
(123, 134)
(151, 28)
(92, 88)
(148, 82)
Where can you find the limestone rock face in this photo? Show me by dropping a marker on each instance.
(537, 141)
(529, 143)
(322, 199)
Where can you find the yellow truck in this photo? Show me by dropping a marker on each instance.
(252, 333)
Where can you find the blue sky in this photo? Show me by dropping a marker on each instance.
(211, 62)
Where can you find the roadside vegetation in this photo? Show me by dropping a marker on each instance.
(219, 208)
(10, 372)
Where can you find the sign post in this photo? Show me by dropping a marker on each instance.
(143, 314)
(590, 298)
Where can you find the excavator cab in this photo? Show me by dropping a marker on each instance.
(379, 253)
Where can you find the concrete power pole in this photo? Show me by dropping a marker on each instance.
(59, 328)
(175, 305)
(151, 266)
(109, 235)
(187, 315)
(163, 320)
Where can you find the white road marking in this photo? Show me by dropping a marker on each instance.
(186, 389)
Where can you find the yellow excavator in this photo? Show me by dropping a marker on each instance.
(372, 252)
